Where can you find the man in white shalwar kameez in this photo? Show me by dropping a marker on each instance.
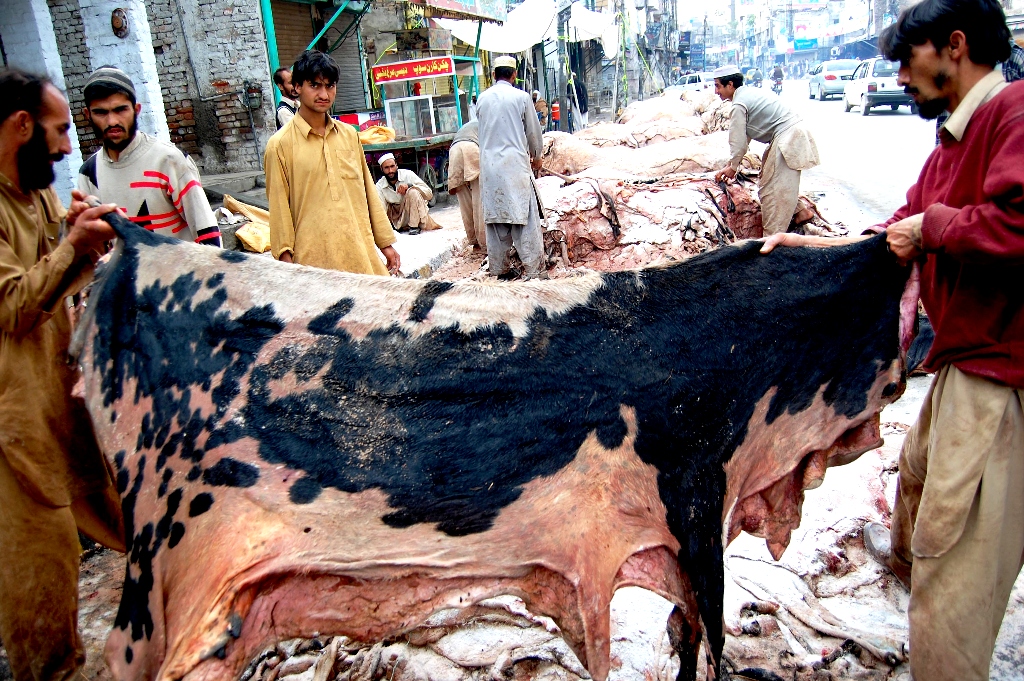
(510, 142)
(761, 115)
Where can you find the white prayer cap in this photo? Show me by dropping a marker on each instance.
(505, 60)
(386, 157)
(726, 71)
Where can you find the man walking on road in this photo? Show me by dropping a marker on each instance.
(957, 536)
(510, 143)
(324, 207)
(54, 481)
(761, 115)
(156, 184)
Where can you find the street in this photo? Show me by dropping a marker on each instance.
(867, 162)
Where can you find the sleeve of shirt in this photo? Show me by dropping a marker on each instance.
(737, 136)
(284, 114)
(29, 297)
(383, 234)
(994, 229)
(417, 182)
(534, 135)
(282, 230)
(192, 203)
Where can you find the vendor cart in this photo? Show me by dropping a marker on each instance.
(426, 156)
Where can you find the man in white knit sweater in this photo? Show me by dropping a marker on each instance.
(155, 183)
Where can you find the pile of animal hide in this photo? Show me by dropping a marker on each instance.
(494, 640)
(626, 194)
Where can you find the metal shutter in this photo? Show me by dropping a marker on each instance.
(351, 96)
(294, 27)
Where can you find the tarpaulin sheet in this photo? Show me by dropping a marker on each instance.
(532, 22)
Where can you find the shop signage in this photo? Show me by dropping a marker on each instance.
(414, 69)
(488, 10)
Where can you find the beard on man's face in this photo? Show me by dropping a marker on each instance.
(932, 108)
(392, 176)
(35, 162)
(116, 146)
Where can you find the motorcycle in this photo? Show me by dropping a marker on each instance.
(777, 86)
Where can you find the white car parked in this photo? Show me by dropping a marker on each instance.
(694, 82)
(874, 84)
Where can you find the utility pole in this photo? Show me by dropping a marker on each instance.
(560, 75)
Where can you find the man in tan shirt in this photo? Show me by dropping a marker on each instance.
(54, 482)
(324, 207)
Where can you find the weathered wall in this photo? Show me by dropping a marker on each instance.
(30, 44)
(226, 43)
(133, 54)
(67, 26)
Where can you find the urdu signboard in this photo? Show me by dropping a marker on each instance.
(413, 69)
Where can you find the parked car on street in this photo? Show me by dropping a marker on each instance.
(828, 78)
(694, 81)
(874, 84)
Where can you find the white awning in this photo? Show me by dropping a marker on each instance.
(587, 25)
(530, 23)
(536, 21)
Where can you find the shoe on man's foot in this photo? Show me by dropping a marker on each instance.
(510, 274)
(878, 542)
(414, 230)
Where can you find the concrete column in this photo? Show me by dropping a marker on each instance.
(30, 44)
(133, 54)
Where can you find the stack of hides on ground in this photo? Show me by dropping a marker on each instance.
(641, 189)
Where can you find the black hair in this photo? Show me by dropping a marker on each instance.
(313, 63)
(736, 80)
(95, 91)
(21, 91)
(278, 80)
(504, 72)
(982, 21)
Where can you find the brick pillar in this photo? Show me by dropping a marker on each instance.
(133, 54)
(30, 44)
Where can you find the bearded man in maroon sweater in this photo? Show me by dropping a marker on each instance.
(957, 536)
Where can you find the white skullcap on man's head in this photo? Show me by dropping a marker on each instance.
(505, 60)
(386, 157)
(726, 71)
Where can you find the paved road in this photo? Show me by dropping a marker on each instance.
(867, 163)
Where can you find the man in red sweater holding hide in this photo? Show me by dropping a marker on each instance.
(957, 534)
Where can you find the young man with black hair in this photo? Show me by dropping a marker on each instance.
(510, 142)
(324, 207)
(957, 536)
(761, 115)
(289, 103)
(54, 482)
(157, 185)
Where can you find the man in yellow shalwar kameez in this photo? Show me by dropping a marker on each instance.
(324, 207)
